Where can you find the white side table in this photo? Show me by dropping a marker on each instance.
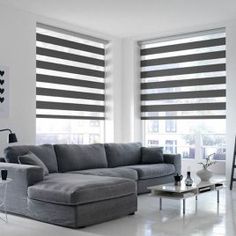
(3, 194)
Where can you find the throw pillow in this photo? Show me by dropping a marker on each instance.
(31, 159)
(152, 155)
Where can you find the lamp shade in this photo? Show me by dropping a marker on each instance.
(12, 138)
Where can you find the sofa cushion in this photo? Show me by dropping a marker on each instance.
(153, 170)
(31, 159)
(122, 154)
(80, 157)
(76, 189)
(113, 172)
(44, 152)
(152, 155)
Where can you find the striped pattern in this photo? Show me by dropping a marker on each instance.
(70, 75)
(184, 77)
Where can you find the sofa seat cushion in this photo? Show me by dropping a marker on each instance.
(80, 157)
(153, 170)
(113, 172)
(77, 189)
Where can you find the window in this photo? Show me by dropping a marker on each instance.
(171, 146)
(183, 87)
(153, 142)
(70, 86)
(170, 124)
(154, 126)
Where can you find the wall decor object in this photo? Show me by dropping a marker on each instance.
(4, 92)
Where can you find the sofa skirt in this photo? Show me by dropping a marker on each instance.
(82, 215)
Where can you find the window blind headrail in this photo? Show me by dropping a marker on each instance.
(184, 82)
(69, 106)
(70, 117)
(184, 95)
(68, 81)
(69, 56)
(183, 117)
(69, 44)
(69, 69)
(184, 107)
(184, 70)
(69, 94)
(72, 33)
(184, 46)
(186, 58)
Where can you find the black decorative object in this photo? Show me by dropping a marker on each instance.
(4, 174)
(188, 180)
(12, 136)
(178, 179)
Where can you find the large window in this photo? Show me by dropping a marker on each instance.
(70, 87)
(183, 88)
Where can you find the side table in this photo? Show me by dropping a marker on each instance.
(3, 194)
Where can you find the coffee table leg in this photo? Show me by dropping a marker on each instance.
(218, 196)
(160, 203)
(184, 206)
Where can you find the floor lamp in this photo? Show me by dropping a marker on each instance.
(12, 136)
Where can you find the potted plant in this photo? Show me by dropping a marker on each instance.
(204, 174)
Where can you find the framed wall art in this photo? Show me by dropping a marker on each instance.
(4, 92)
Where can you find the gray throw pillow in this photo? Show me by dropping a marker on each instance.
(152, 155)
(31, 159)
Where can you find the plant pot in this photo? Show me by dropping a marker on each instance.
(204, 175)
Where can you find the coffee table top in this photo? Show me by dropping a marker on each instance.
(170, 187)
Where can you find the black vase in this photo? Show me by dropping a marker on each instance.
(4, 174)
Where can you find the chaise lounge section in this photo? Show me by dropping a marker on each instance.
(86, 184)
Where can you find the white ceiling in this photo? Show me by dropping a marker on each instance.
(124, 18)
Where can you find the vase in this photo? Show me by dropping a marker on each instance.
(188, 180)
(204, 175)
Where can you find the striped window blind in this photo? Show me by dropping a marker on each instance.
(184, 77)
(70, 74)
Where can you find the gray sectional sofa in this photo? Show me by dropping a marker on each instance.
(86, 184)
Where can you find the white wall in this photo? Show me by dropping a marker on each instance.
(17, 51)
(231, 92)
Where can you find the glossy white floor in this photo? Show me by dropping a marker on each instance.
(207, 220)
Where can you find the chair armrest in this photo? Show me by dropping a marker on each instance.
(174, 159)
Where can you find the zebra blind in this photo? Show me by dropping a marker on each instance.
(184, 77)
(70, 73)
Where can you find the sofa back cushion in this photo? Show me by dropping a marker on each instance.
(72, 157)
(44, 152)
(123, 154)
(152, 155)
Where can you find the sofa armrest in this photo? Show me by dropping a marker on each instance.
(24, 175)
(174, 159)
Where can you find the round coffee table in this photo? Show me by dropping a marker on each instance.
(3, 196)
